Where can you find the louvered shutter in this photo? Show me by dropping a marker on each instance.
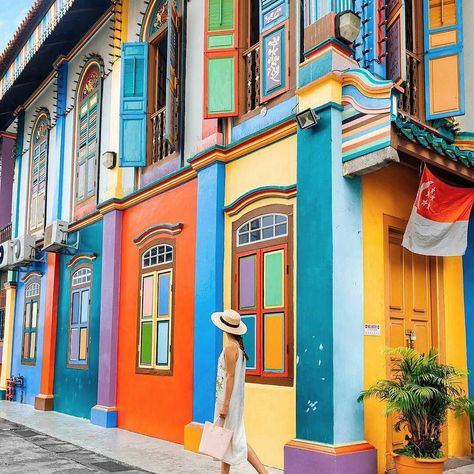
(221, 59)
(444, 62)
(274, 44)
(396, 42)
(133, 104)
(172, 105)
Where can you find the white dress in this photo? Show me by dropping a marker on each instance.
(237, 452)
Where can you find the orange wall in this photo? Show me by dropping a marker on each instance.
(158, 405)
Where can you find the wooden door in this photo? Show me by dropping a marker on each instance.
(410, 309)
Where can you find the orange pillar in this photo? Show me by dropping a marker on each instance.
(44, 401)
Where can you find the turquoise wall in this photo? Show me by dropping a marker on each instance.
(75, 390)
(330, 341)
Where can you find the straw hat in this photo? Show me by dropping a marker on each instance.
(229, 321)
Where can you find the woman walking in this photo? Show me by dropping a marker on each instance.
(230, 387)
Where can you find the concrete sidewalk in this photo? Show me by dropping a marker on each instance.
(137, 450)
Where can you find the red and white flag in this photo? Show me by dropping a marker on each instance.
(439, 219)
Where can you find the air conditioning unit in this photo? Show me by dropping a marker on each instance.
(24, 249)
(6, 255)
(55, 236)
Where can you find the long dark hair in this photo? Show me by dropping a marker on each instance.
(240, 340)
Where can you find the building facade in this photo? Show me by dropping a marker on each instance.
(160, 175)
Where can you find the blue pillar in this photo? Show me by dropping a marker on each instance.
(208, 287)
(60, 141)
(330, 318)
(18, 161)
(468, 274)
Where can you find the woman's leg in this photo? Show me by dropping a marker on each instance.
(225, 468)
(256, 463)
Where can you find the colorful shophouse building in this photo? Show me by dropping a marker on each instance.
(160, 175)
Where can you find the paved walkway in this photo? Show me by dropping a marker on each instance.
(143, 452)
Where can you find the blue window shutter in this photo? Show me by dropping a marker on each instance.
(274, 48)
(444, 58)
(133, 104)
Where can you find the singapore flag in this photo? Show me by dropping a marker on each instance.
(439, 219)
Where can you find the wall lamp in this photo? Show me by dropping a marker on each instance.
(347, 26)
(307, 118)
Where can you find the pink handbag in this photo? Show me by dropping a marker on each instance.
(215, 440)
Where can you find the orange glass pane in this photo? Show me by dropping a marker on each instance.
(26, 345)
(83, 344)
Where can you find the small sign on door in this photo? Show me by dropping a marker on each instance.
(371, 329)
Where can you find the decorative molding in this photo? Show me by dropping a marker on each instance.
(266, 192)
(90, 257)
(335, 450)
(85, 221)
(31, 275)
(169, 182)
(153, 231)
(244, 147)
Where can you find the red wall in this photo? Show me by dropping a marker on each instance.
(158, 405)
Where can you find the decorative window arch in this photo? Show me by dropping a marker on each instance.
(155, 322)
(79, 321)
(38, 173)
(30, 321)
(262, 283)
(88, 132)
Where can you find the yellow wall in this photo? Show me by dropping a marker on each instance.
(270, 411)
(392, 191)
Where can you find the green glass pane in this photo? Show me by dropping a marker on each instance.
(145, 349)
(220, 92)
(273, 284)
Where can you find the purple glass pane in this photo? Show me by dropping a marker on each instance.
(74, 347)
(247, 282)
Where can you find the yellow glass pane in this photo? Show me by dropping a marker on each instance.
(32, 345)
(34, 314)
(27, 315)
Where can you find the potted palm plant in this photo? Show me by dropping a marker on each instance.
(420, 393)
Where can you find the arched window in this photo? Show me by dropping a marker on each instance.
(87, 134)
(262, 282)
(158, 255)
(156, 310)
(38, 172)
(81, 281)
(261, 228)
(30, 322)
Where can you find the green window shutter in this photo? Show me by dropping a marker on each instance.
(172, 75)
(274, 48)
(444, 58)
(133, 104)
(221, 59)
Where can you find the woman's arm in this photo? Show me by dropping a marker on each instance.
(230, 354)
